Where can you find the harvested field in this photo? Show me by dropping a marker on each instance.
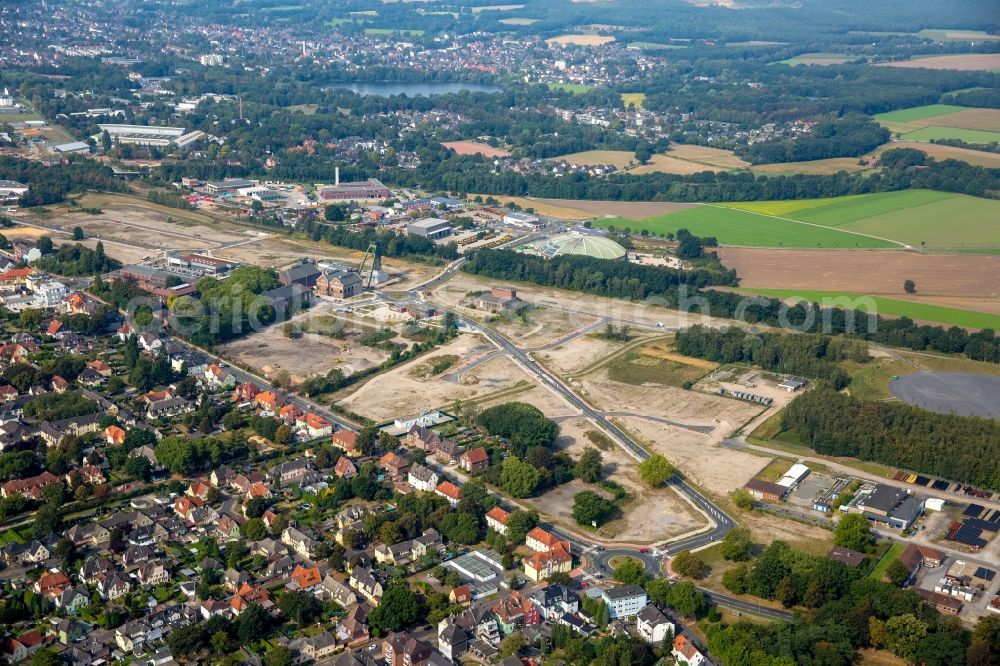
(706, 155)
(399, 393)
(874, 271)
(627, 209)
(518, 21)
(475, 148)
(818, 167)
(668, 164)
(581, 40)
(618, 158)
(549, 207)
(496, 8)
(940, 152)
(965, 62)
(817, 59)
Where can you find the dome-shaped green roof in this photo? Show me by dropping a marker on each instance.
(587, 245)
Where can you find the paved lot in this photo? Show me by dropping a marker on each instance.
(950, 392)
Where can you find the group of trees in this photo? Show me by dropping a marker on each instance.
(850, 611)
(78, 260)
(963, 448)
(811, 355)
(227, 307)
(51, 183)
(181, 455)
(524, 426)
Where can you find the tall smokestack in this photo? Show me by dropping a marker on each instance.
(336, 176)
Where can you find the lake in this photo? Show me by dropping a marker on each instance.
(411, 89)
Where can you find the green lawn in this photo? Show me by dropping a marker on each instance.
(732, 226)
(888, 306)
(967, 135)
(576, 88)
(919, 113)
(912, 217)
(18, 117)
(890, 556)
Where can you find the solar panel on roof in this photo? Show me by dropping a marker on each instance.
(973, 510)
(985, 574)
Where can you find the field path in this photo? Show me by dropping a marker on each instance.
(812, 224)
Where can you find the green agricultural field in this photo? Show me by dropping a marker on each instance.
(968, 135)
(919, 113)
(891, 307)
(576, 88)
(911, 217)
(739, 227)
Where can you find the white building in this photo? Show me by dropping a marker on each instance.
(653, 626)
(50, 294)
(11, 191)
(422, 478)
(624, 601)
(522, 220)
(143, 135)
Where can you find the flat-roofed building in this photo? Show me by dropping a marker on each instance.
(366, 190)
(145, 135)
(431, 227)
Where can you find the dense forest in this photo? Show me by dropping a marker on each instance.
(679, 290)
(51, 183)
(814, 356)
(961, 448)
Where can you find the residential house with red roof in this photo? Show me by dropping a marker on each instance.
(450, 492)
(496, 520)
(474, 460)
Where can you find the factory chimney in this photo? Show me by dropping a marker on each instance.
(336, 176)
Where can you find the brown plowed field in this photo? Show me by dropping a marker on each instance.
(631, 210)
(870, 272)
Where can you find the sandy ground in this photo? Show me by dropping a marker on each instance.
(400, 392)
(635, 210)
(578, 354)
(542, 326)
(651, 516)
(963, 62)
(581, 40)
(312, 354)
(705, 462)
(475, 148)
(869, 271)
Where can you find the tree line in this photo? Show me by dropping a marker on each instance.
(810, 355)
(962, 448)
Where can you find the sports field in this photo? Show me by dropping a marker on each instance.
(889, 219)
(887, 306)
(576, 88)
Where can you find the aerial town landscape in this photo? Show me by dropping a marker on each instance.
(440, 332)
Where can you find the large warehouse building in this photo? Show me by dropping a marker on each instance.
(585, 245)
(430, 227)
(143, 135)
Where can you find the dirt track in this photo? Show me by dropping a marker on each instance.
(871, 272)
